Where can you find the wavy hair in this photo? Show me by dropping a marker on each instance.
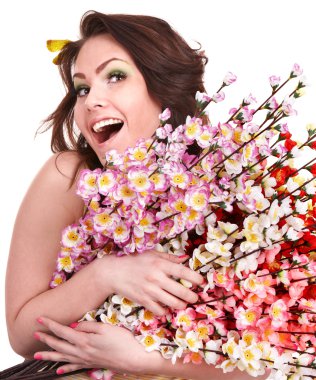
(172, 70)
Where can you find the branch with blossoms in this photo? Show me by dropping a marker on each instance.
(242, 212)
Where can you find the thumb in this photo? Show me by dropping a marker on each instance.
(88, 327)
(173, 258)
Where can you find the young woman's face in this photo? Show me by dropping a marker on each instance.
(113, 108)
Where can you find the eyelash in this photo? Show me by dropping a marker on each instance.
(119, 75)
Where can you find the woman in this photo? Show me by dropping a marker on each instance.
(119, 77)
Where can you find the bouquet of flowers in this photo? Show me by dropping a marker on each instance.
(240, 209)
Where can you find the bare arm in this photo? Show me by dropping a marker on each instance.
(98, 345)
(48, 207)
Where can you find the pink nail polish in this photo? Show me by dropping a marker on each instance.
(73, 325)
(60, 371)
(183, 256)
(38, 357)
(39, 320)
(37, 336)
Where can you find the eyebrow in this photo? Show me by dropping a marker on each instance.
(99, 68)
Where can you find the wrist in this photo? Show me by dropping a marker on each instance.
(148, 363)
(103, 274)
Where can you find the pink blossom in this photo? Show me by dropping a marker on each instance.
(287, 107)
(278, 313)
(164, 131)
(165, 115)
(202, 97)
(272, 104)
(185, 319)
(229, 78)
(218, 97)
(247, 317)
(296, 70)
(274, 81)
(250, 99)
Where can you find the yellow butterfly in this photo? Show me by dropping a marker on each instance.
(56, 45)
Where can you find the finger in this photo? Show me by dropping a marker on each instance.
(180, 291)
(66, 368)
(168, 299)
(170, 257)
(156, 308)
(60, 330)
(91, 327)
(56, 357)
(59, 345)
(180, 271)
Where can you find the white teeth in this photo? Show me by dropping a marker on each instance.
(100, 124)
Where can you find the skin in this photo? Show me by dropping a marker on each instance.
(35, 245)
(105, 76)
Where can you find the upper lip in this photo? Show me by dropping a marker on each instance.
(97, 119)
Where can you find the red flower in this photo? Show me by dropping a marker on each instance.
(312, 168)
(289, 144)
(281, 175)
(312, 145)
(310, 292)
(286, 135)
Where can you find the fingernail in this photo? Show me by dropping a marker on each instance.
(37, 336)
(73, 325)
(38, 357)
(183, 256)
(60, 371)
(39, 320)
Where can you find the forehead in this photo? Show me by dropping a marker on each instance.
(100, 48)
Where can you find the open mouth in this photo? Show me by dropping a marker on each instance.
(104, 130)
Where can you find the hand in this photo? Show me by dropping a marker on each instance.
(149, 279)
(91, 345)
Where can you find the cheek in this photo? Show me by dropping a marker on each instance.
(78, 116)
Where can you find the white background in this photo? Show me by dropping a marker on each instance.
(253, 39)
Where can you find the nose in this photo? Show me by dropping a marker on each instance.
(96, 98)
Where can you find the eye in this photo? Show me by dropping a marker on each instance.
(82, 91)
(116, 76)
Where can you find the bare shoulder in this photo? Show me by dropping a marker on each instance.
(49, 205)
(55, 183)
(62, 166)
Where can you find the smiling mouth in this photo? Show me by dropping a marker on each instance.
(104, 133)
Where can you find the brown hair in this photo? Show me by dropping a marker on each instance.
(173, 72)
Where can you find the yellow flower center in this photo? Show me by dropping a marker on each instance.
(250, 316)
(178, 178)
(248, 339)
(58, 281)
(140, 181)
(149, 341)
(72, 236)
(126, 192)
(127, 302)
(191, 130)
(103, 218)
(91, 181)
(248, 355)
(185, 319)
(148, 314)
(276, 312)
(119, 230)
(105, 180)
(191, 342)
(65, 261)
(198, 199)
(139, 155)
(203, 332)
(113, 319)
(180, 206)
